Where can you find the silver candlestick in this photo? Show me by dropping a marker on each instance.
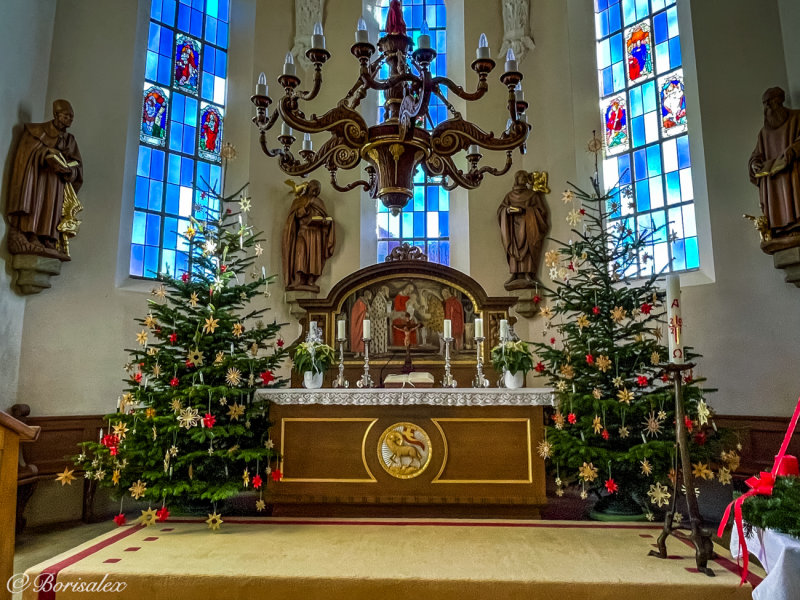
(448, 380)
(480, 381)
(366, 380)
(340, 381)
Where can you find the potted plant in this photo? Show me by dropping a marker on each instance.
(312, 359)
(514, 359)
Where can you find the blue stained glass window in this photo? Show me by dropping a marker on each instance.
(424, 222)
(186, 60)
(646, 141)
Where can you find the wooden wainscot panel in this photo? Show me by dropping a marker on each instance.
(761, 439)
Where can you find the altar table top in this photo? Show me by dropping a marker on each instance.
(780, 555)
(302, 559)
(410, 396)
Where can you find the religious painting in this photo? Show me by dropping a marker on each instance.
(673, 103)
(615, 116)
(187, 64)
(639, 52)
(408, 314)
(154, 116)
(210, 141)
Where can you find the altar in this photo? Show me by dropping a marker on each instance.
(408, 452)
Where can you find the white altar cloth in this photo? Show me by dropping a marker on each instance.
(780, 556)
(410, 396)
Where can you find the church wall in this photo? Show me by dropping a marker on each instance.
(746, 322)
(23, 71)
(790, 29)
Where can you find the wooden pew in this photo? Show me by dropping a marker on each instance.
(12, 432)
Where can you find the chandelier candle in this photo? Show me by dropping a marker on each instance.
(317, 39)
(308, 145)
(511, 61)
(261, 86)
(362, 35)
(483, 51)
(424, 39)
(288, 65)
(674, 320)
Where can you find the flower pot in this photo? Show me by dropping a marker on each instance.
(311, 380)
(517, 380)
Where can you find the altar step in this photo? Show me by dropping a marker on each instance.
(349, 559)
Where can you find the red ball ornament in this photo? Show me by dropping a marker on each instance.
(611, 486)
(642, 381)
(596, 310)
(539, 368)
(700, 438)
(646, 308)
(189, 364)
(589, 359)
(571, 266)
(120, 520)
(174, 382)
(572, 418)
(113, 451)
(162, 514)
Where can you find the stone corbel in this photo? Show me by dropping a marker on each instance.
(516, 29)
(307, 12)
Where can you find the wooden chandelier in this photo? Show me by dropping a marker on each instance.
(399, 144)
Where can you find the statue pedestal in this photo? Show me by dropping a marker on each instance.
(292, 299)
(789, 261)
(34, 272)
(526, 307)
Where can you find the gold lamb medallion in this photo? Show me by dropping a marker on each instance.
(404, 450)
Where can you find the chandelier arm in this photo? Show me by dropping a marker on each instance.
(480, 92)
(454, 135)
(311, 94)
(365, 185)
(262, 139)
(387, 84)
(341, 121)
(496, 172)
(512, 105)
(262, 122)
(445, 167)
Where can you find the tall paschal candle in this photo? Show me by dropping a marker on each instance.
(674, 319)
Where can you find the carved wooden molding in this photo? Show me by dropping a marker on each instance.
(406, 252)
(517, 29)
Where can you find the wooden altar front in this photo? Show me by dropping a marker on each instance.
(406, 452)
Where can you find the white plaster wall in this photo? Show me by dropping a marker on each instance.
(790, 29)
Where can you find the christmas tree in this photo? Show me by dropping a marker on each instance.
(613, 429)
(188, 427)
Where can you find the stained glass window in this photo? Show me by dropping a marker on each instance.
(645, 130)
(180, 137)
(425, 221)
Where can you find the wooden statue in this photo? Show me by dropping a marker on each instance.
(46, 174)
(308, 238)
(774, 167)
(524, 224)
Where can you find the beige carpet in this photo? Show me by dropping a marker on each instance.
(295, 559)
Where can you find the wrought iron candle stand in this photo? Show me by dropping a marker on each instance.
(340, 381)
(448, 380)
(701, 537)
(480, 380)
(366, 380)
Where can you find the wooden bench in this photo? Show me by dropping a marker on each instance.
(12, 433)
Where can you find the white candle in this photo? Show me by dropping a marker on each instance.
(483, 48)
(367, 330)
(286, 130)
(511, 61)
(118, 402)
(424, 39)
(261, 86)
(478, 328)
(674, 320)
(448, 328)
(340, 329)
(263, 273)
(503, 329)
(312, 328)
(101, 434)
(307, 143)
(318, 39)
(362, 35)
(288, 65)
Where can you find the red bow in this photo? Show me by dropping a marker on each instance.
(760, 485)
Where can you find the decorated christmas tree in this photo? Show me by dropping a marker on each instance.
(188, 427)
(613, 430)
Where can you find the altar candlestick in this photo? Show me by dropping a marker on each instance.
(340, 329)
(674, 320)
(367, 329)
(448, 331)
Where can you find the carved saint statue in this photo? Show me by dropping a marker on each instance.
(308, 238)
(775, 168)
(524, 223)
(46, 174)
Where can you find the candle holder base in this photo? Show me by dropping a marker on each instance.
(700, 536)
(340, 381)
(366, 380)
(447, 380)
(480, 380)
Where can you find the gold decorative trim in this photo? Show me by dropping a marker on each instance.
(329, 419)
(526, 420)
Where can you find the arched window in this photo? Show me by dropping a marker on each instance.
(180, 135)
(425, 221)
(645, 129)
